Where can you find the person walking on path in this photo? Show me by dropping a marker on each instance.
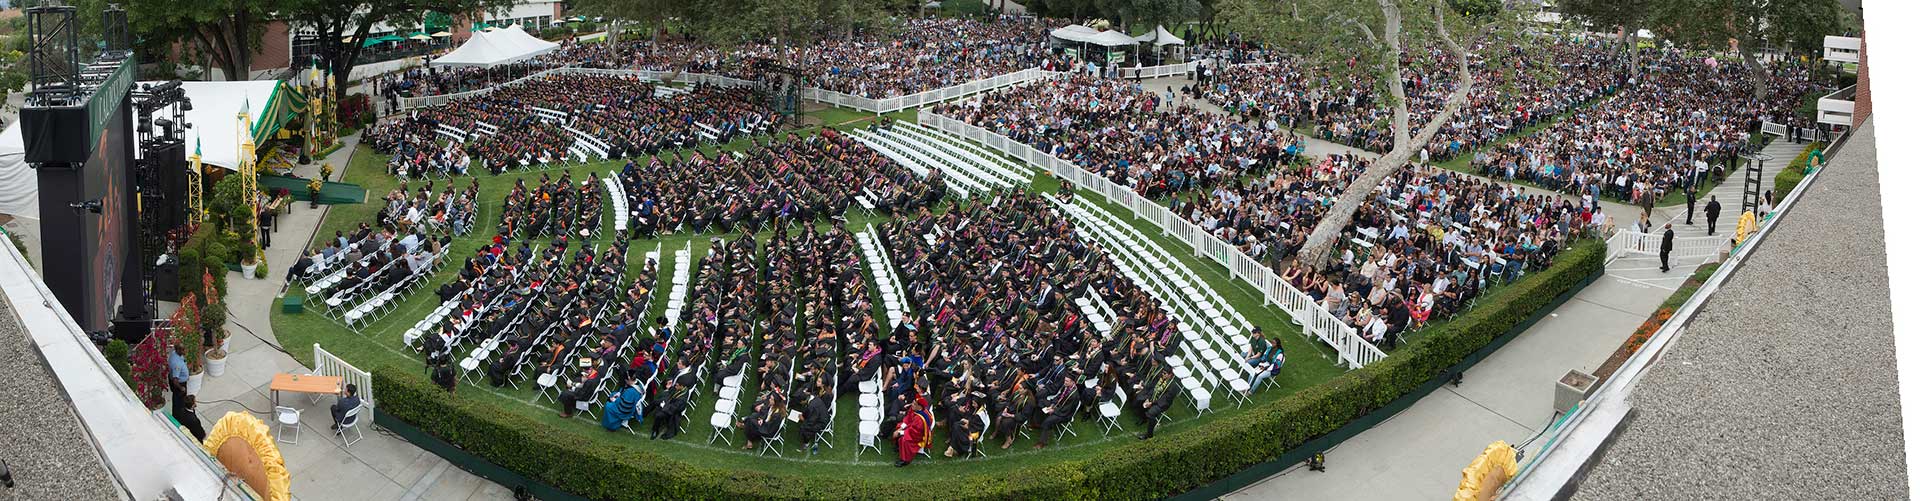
(1713, 213)
(1666, 247)
(1691, 197)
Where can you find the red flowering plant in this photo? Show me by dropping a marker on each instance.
(149, 368)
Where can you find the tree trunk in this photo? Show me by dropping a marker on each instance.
(1762, 87)
(1319, 247)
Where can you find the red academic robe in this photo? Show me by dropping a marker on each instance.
(913, 429)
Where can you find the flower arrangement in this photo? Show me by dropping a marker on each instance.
(326, 172)
(149, 366)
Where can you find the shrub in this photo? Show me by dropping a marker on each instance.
(117, 353)
(1795, 171)
(1173, 464)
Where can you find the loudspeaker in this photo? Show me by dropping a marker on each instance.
(166, 281)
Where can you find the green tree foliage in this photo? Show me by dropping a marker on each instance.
(1625, 17)
(343, 25)
(1365, 41)
(225, 32)
(1796, 27)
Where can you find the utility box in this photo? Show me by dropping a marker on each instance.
(1571, 389)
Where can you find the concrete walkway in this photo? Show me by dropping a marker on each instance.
(382, 467)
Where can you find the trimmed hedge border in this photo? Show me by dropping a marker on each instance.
(1796, 170)
(1172, 465)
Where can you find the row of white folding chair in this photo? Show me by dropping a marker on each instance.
(618, 197)
(1170, 278)
(955, 170)
(933, 153)
(682, 280)
(1174, 301)
(870, 410)
(961, 186)
(891, 295)
(1017, 169)
(1186, 278)
(388, 299)
(982, 166)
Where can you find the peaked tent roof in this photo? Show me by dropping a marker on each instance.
(1078, 33)
(1159, 36)
(491, 48)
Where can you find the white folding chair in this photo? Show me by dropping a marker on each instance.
(287, 418)
(351, 422)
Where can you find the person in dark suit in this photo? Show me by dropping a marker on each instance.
(1713, 213)
(1691, 197)
(1666, 247)
(183, 411)
(347, 403)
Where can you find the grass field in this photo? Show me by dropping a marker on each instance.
(378, 344)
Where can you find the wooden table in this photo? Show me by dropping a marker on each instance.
(302, 383)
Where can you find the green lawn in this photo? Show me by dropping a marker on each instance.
(378, 344)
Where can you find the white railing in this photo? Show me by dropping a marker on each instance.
(1572, 442)
(325, 364)
(1170, 70)
(1314, 320)
(1625, 242)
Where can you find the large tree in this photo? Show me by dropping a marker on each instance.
(343, 25)
(226, 31)
(1626, 17)
(1795, 27)
(1367, 41)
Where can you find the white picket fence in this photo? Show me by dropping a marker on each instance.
(326, 364)
(1315, 320)
(1170, 70)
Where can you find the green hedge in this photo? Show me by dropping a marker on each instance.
(1789, 177)
(1173, 464)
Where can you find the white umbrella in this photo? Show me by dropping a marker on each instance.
(442, 34)
(420, 37)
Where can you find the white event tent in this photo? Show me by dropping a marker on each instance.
(493, 48)
(216, 106)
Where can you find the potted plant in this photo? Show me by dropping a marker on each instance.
(313, 191)
(248, 265)
(326, 172)
(216, 358)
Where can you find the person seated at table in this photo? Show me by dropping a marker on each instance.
(625, 408)
(348, 401)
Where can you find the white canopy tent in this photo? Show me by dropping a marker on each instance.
(1083, 34)
(215, 130)
(493, 48)
(1159, 36)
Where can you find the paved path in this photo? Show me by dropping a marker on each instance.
(381, 467)
(1760, 399)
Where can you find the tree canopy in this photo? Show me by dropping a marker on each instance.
(1360, 41)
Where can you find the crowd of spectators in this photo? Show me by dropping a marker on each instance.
(1685, 117)
(791, 179)
(915, 56)
(1516, 85)
(1425, 243)
(1130, 134)
(450, 212)
(550, 119)
(553, 207)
